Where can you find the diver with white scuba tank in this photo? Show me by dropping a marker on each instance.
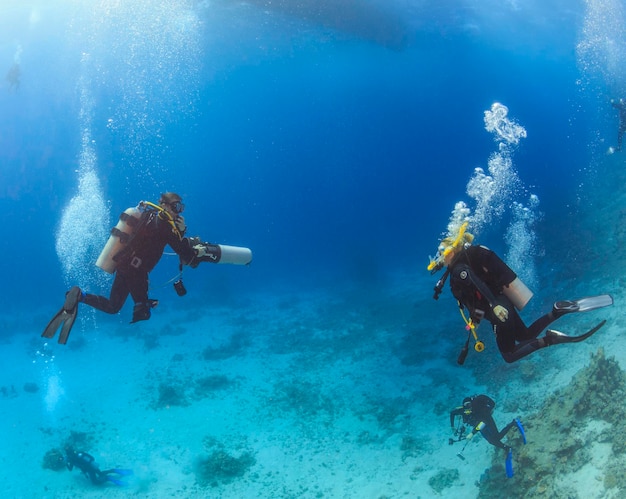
(134, 248)
(484, 285)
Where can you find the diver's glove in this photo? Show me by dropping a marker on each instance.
(179, 221)
(204, 252)
(501, 313)
(200, 249)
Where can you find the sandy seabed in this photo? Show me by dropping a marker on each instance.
(289, 395)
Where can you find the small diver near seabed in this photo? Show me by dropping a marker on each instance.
(86, 463)
(484, 285)
(477, 412)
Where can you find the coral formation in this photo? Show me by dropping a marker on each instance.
(589, 411)
(205, 386)
(31, 387)
(221, 467)
(303, 398)
(236, 345)
(170, 395)
(53, 460)
(443, 479)
(80, 440)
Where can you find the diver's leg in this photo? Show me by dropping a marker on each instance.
(523, 349)
(117, 297)
(138, 285)
(491, 434)
(506, 429)
(540, 324)
(508, 332)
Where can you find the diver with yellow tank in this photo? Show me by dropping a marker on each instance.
(488, 289)
(134, 248)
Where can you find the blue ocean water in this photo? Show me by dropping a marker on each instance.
(334, 139)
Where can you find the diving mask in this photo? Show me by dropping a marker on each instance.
(177, 206)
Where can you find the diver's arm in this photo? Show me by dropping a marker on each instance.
(453, 414)
(183, 248)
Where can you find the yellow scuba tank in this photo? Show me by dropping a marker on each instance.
(518, 293)
(120, 235)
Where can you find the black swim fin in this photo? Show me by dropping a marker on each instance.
(556, 337)
(583, 305)
(65, 317)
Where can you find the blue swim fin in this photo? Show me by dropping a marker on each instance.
(116, 481)
(508, 464)
(521, 430)
(122, 471)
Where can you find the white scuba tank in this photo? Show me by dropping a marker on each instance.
(518, 293)
(120, 235)
(221, 253)
(235, 255)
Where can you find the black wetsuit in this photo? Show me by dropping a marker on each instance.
(477, 410)
(621, 106)
(477, 279)
(86, 463)
(135, 262)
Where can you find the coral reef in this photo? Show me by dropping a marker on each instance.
(80, 440)
(170, 395)
(220, 466)
(443, 479)
(53, 460)
(236, 345)
(587, 412)
(303, 398)
(31, 387)
(205, 386)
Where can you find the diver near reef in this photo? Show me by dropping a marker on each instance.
(87, 465)
(484, 285)
(476, 412)
(620, 105)
(135, 246)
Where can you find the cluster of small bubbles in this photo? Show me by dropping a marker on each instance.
(459, 216)
(147, 53)
(44, 354)
(601, 51)
(521, 240)
(492, 192)
(82, 230)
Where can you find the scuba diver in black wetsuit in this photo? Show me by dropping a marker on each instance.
(87, 465)
(136, 245)
(484, 285)
(621, 106)
(477, 411)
